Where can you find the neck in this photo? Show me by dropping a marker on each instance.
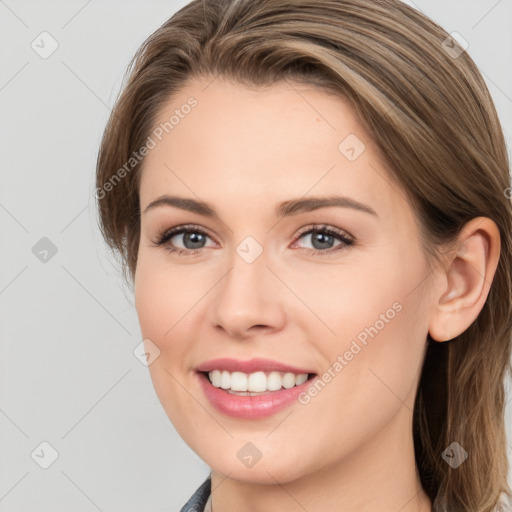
(379, 475)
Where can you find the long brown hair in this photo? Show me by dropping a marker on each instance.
(424, 102)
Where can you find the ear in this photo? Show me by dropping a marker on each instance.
(466, 279)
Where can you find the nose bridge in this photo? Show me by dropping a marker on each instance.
(247, 295)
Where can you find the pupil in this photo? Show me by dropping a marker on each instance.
(320, 237)
(194, 238)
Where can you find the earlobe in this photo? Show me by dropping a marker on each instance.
(467, 279)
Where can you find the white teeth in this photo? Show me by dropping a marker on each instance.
(225, 380)
(274, 381)
(300, 379)
(238, 381)
(216, 379)
(255, 382)
(289, 380)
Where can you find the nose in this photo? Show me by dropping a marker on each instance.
(248, 300)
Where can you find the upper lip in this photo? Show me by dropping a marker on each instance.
(251, 366)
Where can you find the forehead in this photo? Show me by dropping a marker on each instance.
(244, 144)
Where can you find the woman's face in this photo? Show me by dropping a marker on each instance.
(351, 305)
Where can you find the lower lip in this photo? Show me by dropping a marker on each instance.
(251, 407)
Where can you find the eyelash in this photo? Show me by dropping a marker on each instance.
(340, 235)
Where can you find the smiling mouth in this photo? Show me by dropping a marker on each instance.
(256, 383)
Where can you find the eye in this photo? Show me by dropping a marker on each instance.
(323, 238)
(193, 239)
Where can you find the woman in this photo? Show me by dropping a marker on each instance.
(312, 201)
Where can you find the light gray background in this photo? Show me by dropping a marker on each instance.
(68, 327)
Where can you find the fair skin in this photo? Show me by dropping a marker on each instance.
(243, 151)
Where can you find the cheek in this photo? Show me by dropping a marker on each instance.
(163, 300)
(375, 316)
(165, 297)
(373, 361)
(167, 300)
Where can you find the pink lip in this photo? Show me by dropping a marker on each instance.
(251, 407)
(253, 365)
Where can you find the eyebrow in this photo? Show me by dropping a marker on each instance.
(284, 209)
